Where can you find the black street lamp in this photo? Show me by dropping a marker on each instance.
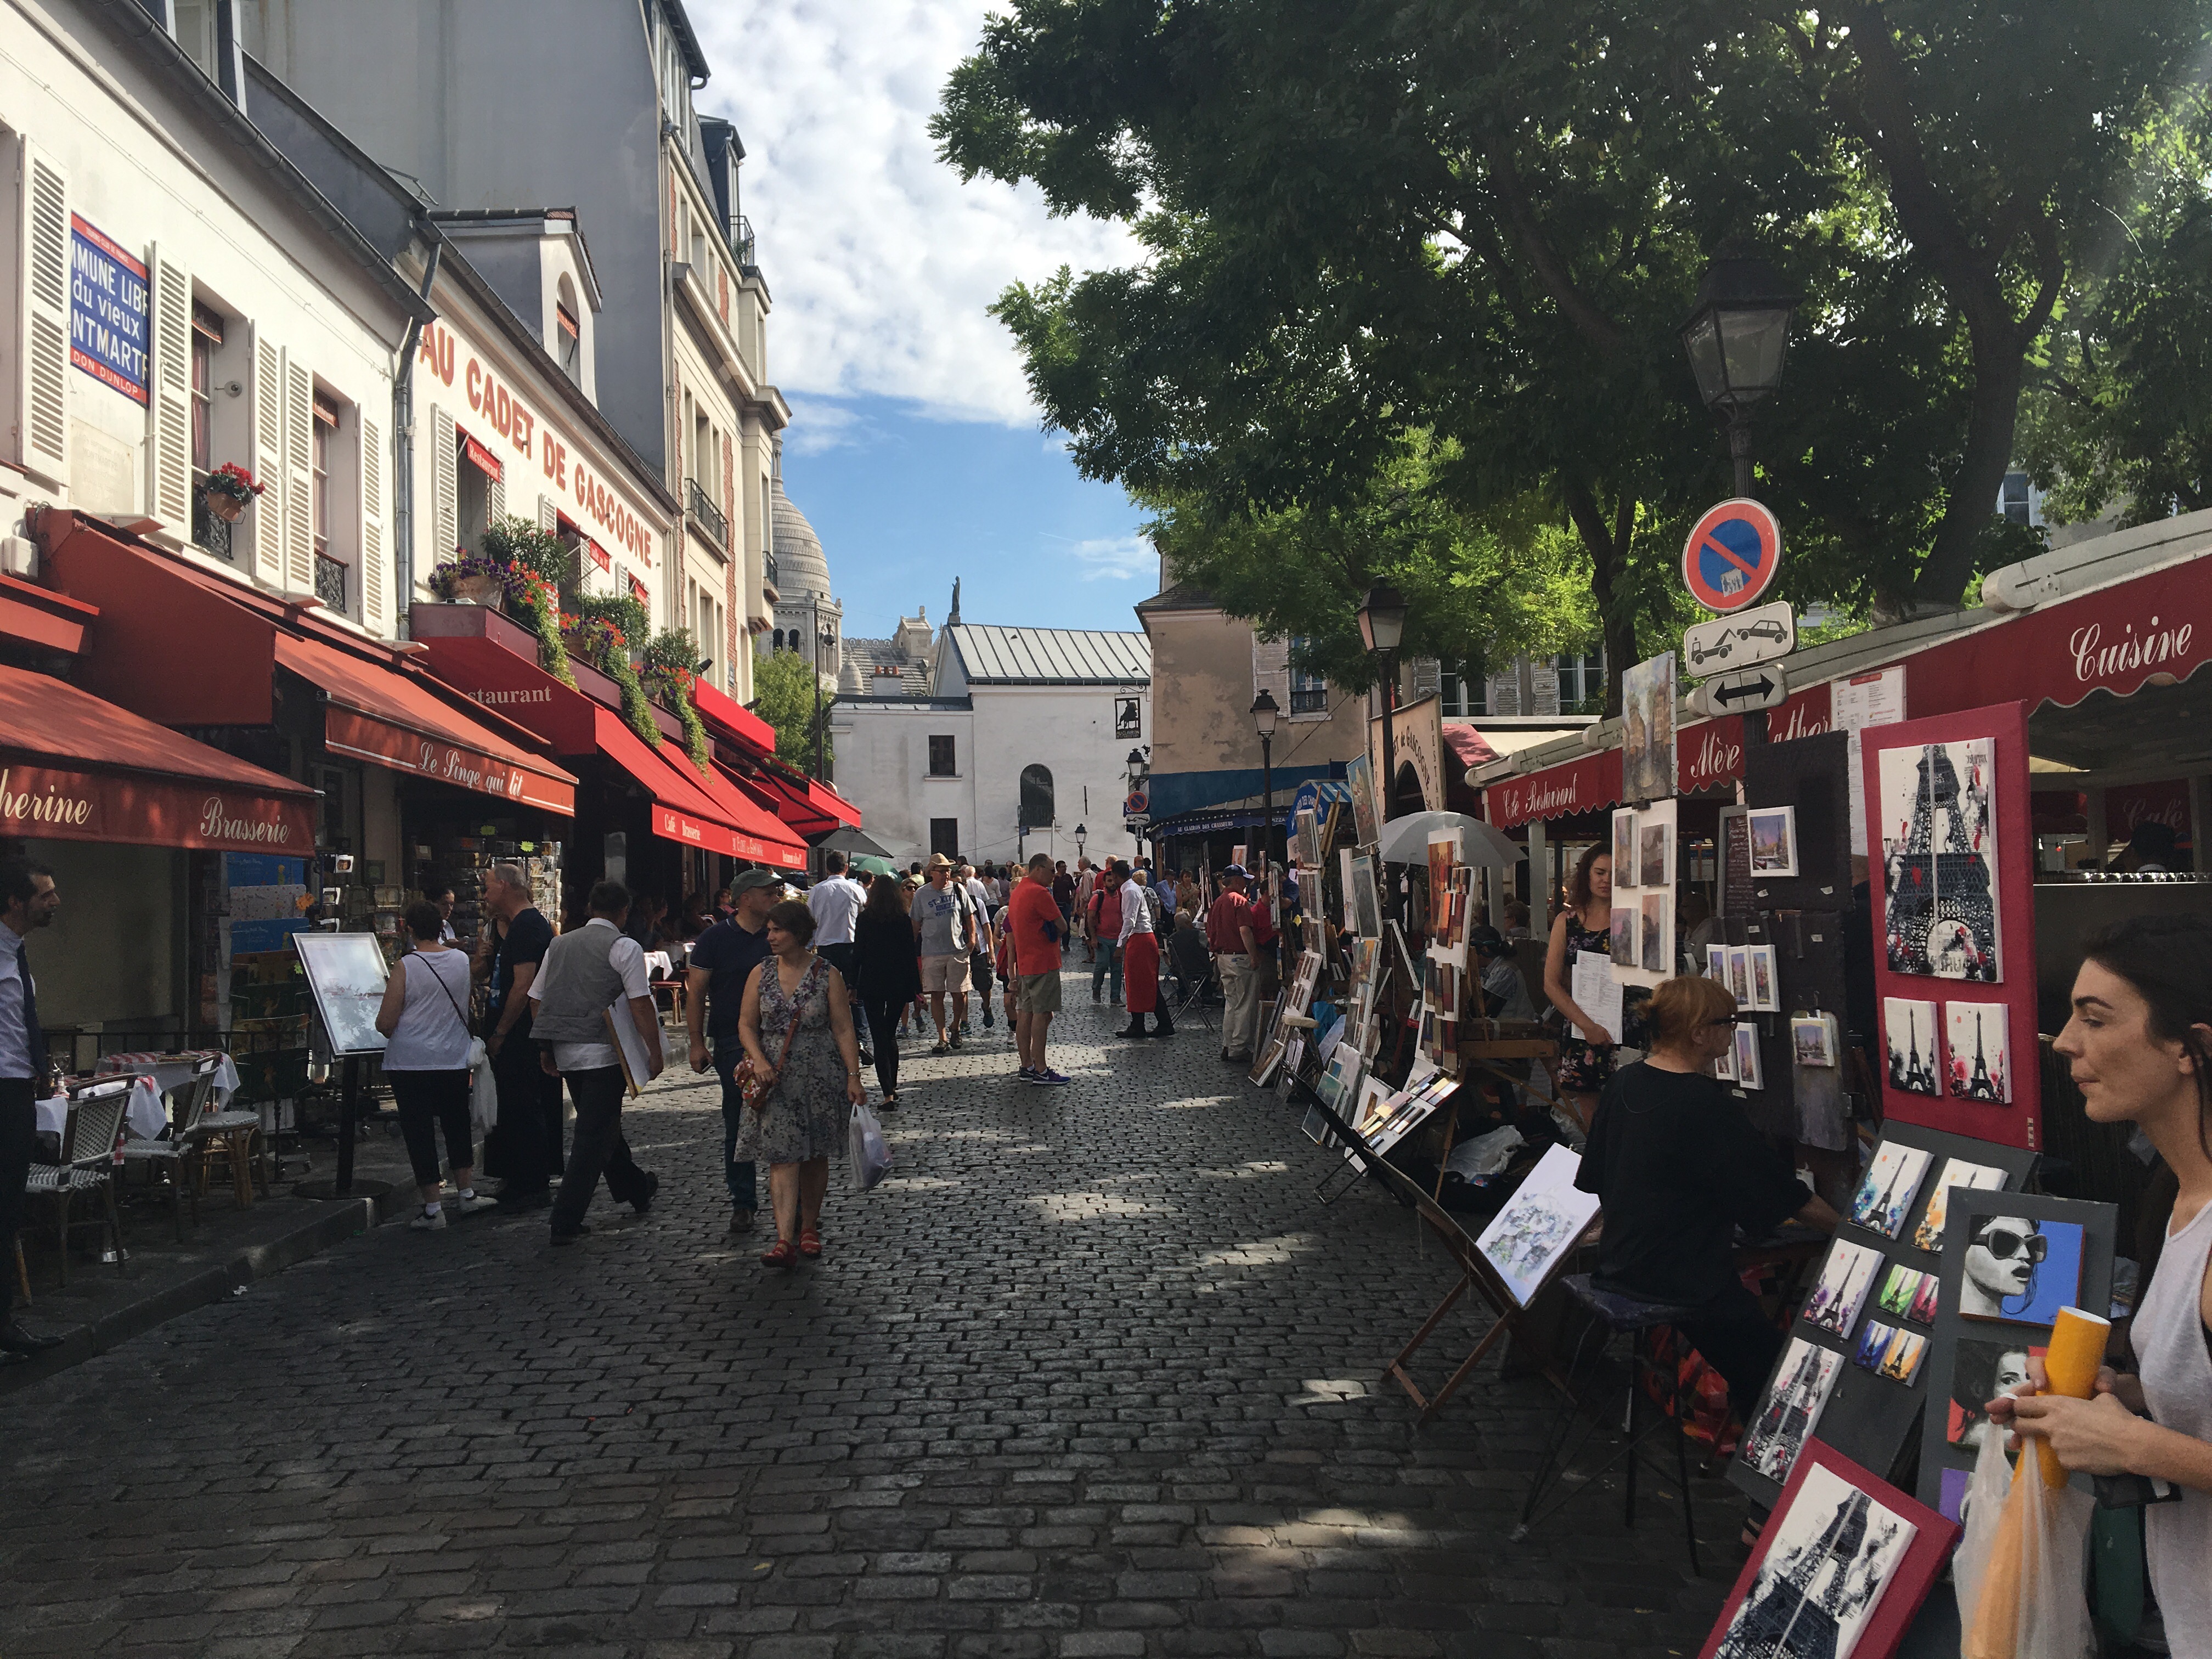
(1265, 711)
(1381, 626)
(1080, 832)
(1736, 336)
(824, 639)
(1140, 769)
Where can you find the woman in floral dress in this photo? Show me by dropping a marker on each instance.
(1585, 1062)
(800, 1118)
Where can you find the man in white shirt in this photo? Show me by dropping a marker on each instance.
(835, 903)
(584, 974)
(28, 901)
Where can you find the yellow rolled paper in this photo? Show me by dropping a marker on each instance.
(2078, 1341)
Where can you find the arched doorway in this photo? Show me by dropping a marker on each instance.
(1406, 794)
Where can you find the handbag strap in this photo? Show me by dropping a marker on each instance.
(798, 1007)
(449, 990)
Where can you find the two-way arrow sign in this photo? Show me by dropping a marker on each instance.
(1739, 693)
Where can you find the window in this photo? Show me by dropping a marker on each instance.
(569, 334)
(1465, 688)
(1582, 681)
(1309, 690)
(944, 836)
(2013, 499)
(210, 533)
(1037, 797)
(1128, 717)
(330, 572)
(941, 758)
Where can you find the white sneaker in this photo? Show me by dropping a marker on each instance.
(424, 1221)
(472, 1204)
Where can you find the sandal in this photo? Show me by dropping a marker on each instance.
(810, 1242)
(782, 1255)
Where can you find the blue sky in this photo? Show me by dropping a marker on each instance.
(904, 502)
(915, 449)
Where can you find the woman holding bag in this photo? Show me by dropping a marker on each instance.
(796, 1120)
(426, 1060)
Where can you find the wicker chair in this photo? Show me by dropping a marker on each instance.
(236, 1138)
(95, 1118)
(180, 1156)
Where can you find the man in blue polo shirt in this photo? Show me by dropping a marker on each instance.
(722, 960)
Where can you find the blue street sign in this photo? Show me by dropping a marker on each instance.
(1732, 555)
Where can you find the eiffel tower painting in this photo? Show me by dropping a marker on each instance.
(1827, 1558)
(1909, 1033)
(1939, 859)
(1979, 1029)
(1801, 1388)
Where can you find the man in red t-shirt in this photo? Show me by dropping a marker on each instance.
(1036, 924)
(1229, 935)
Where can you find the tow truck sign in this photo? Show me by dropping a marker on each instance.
(1740, 640)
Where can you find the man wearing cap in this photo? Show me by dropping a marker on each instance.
(1236, 958)
(722, 960)
(942, 931)
(1505, 993)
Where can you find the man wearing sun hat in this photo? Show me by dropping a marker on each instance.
(1236, 958)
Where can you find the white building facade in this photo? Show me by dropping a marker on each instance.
(993, 743)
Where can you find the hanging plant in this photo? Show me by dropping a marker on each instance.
(603, 625)
(668, 673)
(525, 563)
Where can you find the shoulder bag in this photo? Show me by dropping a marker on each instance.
(751, 1087)
(476, 1042)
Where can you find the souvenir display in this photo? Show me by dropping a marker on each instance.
(1980, 1064)
(1941, 859)
(1885, 1196)
(1624, 933)
(1305, 847)
(1791, 1409)
(1655, 862)
(1764, 996)
(1924, 1295)
(1366, 898)
(1339, 1084)
(1739, 974)
(1360, 778)
(1813, 1040)
(1539, 1226)
(1658, 931)
(1643, 952)
(1724, 1067)
(1845, 1279)
(1716, 962)
(1909, 1033)
(1873, 1344)
(1750, 1069)
(1900, 1361)
(1896, 1291)
(1623, 846)
(1955, 1172)
(1647, 753)
(1773, 831)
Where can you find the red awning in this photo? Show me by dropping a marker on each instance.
(377, 715)
(1575, 785)
(750, 818)
(73, 767)
(484, 461)
(734, 721)
(683, 810)
(791, 804)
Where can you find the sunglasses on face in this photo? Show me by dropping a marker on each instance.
(2003, 1244)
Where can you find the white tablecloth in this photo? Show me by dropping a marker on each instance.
(659, 965)
(53, 1115)
(171, 1071)
(145, 1116)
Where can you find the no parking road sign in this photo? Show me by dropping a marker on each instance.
(1732, 555)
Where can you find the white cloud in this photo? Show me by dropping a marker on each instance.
(1114, 558)
(880, 260)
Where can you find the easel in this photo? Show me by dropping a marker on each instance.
(348, 1121)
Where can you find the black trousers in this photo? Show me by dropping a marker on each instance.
(1739, 1342)
(599, 1149)
(429, 1100)
(19, 1126)
(883, 1028)
(523, 1149)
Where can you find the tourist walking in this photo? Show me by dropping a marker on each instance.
(30, 898)
(524, 1148)
(835, 903)
(1104, 913)
(890, 977)
(1036, 925)
(587, 973)
(940, 914)
(1140, 961)
(722, 960)
(982, 940)
(798, 1031)
(424, 1020)
(1585, 1063)
(1229, 935)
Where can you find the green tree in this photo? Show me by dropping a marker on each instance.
(783, 693)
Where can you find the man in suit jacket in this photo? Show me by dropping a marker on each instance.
(28, 899)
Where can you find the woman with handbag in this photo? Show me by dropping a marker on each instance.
(884, 962)
(426, 1056)
(796, 1116)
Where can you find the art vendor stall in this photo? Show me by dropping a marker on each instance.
(1908, 848)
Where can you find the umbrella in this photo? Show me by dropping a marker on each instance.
(872, 865)
(1405, 840)
(849, 840)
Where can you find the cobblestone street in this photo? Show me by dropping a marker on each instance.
(1094, 1374)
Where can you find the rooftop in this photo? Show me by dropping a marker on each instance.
(1051, 656)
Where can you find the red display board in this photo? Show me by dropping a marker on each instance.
(1950, 869)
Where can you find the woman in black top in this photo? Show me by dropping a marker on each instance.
(885, 974)
(1678, 1168)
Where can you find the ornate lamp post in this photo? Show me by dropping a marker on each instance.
(1736, 336)
(1080, 832)
(1381, 626)
(1265, 712)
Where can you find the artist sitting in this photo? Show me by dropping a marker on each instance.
(1678, 1168)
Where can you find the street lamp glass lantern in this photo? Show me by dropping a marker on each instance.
(1383, 618)
(1738, 332)
(1138, 769)
(1265, 709)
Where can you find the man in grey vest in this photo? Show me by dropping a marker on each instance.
(585, 973)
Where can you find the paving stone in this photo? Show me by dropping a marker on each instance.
(1092, 1376)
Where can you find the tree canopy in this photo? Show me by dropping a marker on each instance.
(1417, 263)
(783, 695)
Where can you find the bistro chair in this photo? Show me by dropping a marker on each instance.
(235, 1137)
(179, 1155)
(1610, 1314)
(95, 1118)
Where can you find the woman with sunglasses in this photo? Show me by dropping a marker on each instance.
(2000, 1267)
(1678, 1168)
(2140, 1047)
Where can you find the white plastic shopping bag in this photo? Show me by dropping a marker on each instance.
(2019, 1567)
(871, 1154)
(484, 1092)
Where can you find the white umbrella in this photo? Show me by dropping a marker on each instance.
(1405, 840)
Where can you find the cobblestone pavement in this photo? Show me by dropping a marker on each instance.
(1093, 1374)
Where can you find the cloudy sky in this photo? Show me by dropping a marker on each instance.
(915, 448)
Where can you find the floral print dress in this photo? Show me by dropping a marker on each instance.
(806, 1115)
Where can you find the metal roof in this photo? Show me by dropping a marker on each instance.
(1051, 656)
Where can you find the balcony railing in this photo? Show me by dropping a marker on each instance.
(741, 240)
(210, 533)
(708, 516)
(330, 583)
(1312, 701)
(768, 567)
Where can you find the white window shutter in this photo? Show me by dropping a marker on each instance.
(299, 477)
(268, 514)
(1428, 677)
(42, 389)
(549, 516)
(169, 407)
(496, 496)
(445, 487)
(1544, 687)
(1271, 669)
(372, 527)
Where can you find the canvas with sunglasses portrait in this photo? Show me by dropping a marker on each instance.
(2019, 1268)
